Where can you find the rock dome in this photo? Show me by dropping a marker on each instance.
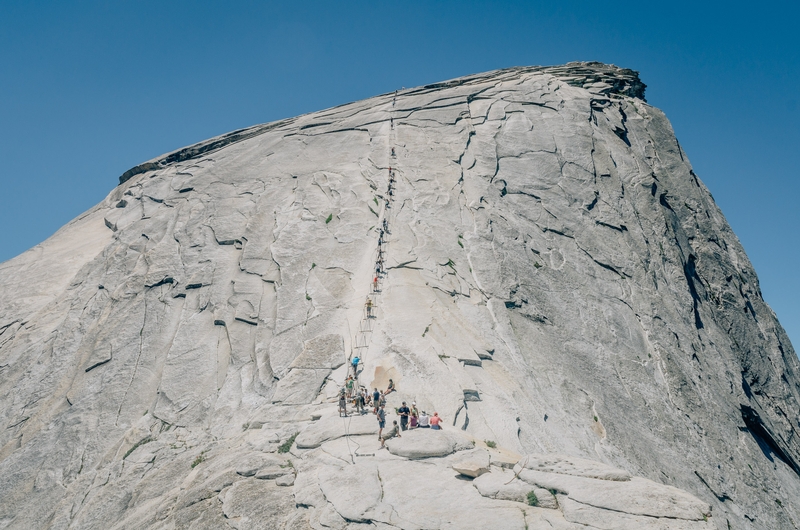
(526, 252)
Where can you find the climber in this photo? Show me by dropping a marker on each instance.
(375, 284)
(355, 362)
(404, 411)
(350, 385)
(390, 434)
(435, 421)
(369, 307)
(381, 415)
(392, 151)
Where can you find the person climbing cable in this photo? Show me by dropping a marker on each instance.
(369, 307)
(354, 363)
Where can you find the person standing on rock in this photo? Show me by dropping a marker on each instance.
(360, 401)
(376, 400)
(404, 412)
(381, 421)
(342, 404)
(350, 384)
(391, 433)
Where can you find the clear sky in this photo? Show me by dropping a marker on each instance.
(90, 89)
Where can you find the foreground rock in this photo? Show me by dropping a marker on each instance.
(557, 284)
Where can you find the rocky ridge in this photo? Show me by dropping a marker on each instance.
(553, 279)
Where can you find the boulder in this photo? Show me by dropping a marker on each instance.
(427, 443)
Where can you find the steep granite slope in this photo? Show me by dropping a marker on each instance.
(553, 280)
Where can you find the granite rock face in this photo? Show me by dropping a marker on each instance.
(556, 283)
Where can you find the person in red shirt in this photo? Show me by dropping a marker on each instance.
(435, 421)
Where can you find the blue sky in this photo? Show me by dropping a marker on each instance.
(89, 89)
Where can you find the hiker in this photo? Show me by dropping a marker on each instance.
(382, 399)
(362, 401)
(413, 420)
(350, 385)
(435, 421)
(391, 433)
(342, 404)
(375, 284)
(354, 363)
(381, 421)
(404, 411)
(391, 388)
(376, 400)
(424, 420)
(369, 308)
(392, 151)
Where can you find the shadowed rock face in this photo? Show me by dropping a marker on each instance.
(556, 280)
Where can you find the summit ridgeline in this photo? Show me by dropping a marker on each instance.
(520, 266)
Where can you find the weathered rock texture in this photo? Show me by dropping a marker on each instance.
(557, 282)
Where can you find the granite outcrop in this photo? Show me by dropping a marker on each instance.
(527, 252)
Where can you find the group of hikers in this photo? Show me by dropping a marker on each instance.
(410, 418)
(362, 400)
